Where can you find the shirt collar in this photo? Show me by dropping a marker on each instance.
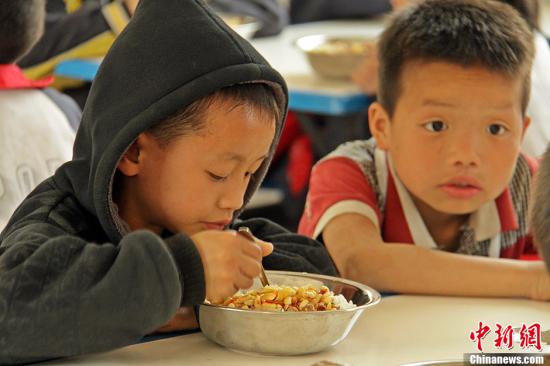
(11, 77)
(488, 221)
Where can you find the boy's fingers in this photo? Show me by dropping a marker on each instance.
(243, 281)
(267, 247)
(252, 249)
(250, 268)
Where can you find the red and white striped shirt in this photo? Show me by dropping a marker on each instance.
(357, 178)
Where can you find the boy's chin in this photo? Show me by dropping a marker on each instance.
(187, 229)
(457, 209)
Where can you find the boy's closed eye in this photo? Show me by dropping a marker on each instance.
(215, 177)
(221, 178)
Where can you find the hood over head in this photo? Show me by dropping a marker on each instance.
(170, 54)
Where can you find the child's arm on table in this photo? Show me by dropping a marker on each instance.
(65, 295)
(360, 254)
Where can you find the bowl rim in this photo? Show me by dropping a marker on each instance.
(369, 291)
(323, 37)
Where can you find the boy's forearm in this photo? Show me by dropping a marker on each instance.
(66, 296)
(360, 254)
(406, 268)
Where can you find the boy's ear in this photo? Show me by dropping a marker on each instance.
(379, 124)
(526, 123)
(130, 164)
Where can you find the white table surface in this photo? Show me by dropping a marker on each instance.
(399, 330)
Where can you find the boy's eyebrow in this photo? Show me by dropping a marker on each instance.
(438, 103)
(238, 157)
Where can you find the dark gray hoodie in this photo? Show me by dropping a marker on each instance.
(72, 280)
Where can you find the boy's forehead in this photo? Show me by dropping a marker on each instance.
(219, 116)
(443, 74)
(441, 83)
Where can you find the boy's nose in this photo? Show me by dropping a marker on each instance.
(233, 197)
(464, 151)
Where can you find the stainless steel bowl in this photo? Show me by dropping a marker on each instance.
(334, 56)
(288, 333)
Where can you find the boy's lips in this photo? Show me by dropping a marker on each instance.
(217, 225)
(461, 187)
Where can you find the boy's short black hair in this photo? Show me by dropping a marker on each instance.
(482, 33)
(192, 119)
(21, 25)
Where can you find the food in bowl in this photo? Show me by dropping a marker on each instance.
(288, 298)
(335, 56)
(266, 332)
(341, 46)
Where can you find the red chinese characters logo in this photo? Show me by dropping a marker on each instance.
(529, 336)
(505, 336)
(479, 334)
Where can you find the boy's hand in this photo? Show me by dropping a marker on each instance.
(230, 261)
(131, 6)
(399, 4)
(540, 288)
(182, 320)
(366, 74)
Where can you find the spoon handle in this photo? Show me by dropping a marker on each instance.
(245, 231)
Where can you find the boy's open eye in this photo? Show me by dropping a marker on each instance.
(496, 129)
(435, 126)
(216, 178)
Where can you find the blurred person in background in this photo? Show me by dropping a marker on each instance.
(79, 29)
(302, 11)
(35, 121)
(76, 30)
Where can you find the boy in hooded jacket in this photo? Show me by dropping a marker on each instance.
(177, 134)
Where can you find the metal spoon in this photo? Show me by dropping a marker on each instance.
(245, 231)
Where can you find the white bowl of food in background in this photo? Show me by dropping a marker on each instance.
(302, 330)
(334, 57)
(244, 25)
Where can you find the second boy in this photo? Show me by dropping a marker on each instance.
(444, 169)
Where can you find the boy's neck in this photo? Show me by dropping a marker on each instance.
(444, 228)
